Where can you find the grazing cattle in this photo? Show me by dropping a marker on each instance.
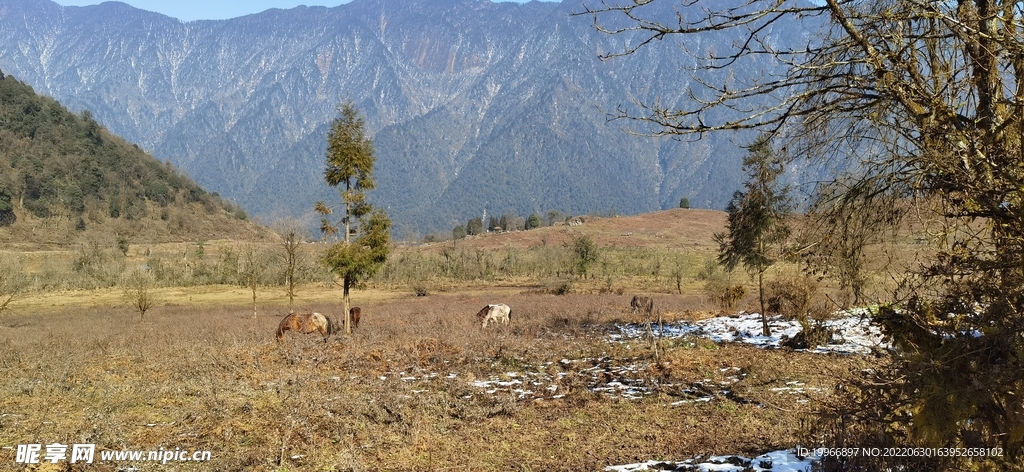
(306, 323)
(495, 313)
(355, 313)
(642, 304)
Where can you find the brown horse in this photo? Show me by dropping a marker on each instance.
(306, 323)
(355, 314)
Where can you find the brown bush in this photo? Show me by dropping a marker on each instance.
(137, 286)
(792, 297)
(798, 296)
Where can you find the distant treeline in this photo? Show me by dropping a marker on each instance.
(510, 221)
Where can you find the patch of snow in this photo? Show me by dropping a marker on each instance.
(853, 333)
(775, 461)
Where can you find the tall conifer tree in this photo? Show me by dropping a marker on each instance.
(350, 162)
(757, 219)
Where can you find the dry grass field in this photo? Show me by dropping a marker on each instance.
(420, 385)
(667, 229)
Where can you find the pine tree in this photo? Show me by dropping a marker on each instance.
(534, 221)
(459, 232)
(757, 219)
(350, 162)
(584, 254)
(474, 226)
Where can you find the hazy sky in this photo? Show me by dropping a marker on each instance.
(188, 10)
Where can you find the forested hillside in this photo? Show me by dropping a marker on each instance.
(62, 173)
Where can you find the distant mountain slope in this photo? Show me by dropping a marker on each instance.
(65, 174)
(473, 105)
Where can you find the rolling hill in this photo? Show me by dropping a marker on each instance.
(676, 228)
(63, 176)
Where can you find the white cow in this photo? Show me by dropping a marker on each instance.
(495, 313)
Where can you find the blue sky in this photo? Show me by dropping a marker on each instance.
(188, 10)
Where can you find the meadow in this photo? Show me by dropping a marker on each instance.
(407, 391)
(420, 385)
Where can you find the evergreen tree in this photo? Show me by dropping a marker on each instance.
(533, 221)
(584, 254)
(350, 162)
(757, 219)
(555, 216)
(7, 216)
(474, 226)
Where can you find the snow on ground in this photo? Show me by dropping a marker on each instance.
(616, 378)
(852, 332)
(627, 378)
(777, 461)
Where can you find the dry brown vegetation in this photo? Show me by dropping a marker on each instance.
(675, 228)
(399, 393)
(419, 386)
(190, 223)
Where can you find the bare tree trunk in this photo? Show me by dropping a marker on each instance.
(291, 293)
(251, 271)
(765, 331)
(291, 243)
(346, 282)
(348, 212)
(346, 304)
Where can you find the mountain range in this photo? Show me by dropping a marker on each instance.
(473, 106)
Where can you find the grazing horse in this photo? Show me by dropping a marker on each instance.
(642, 304)
(495, 313)
(355, 313)
(306, 323)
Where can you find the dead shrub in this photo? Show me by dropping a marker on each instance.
(726, 295)
(719, 287)
(13, 280)
(430, 351)
(558, 287)
(421, 289)
(732, 295)
(797, 296)
(791, 296)
(137, 284)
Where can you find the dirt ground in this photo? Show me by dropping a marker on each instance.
(420, 385)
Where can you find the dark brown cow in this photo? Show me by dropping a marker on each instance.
(355, 314)
(642, 304)
(306, 323)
